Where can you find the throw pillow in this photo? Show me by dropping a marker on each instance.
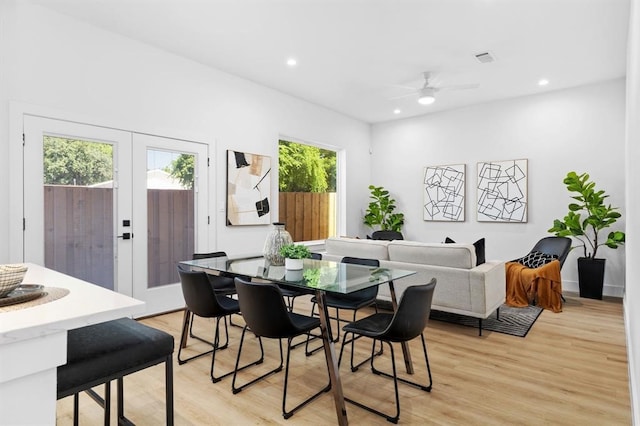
(478, 245)
(536, 259)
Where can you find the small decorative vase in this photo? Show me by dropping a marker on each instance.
(293, 264)
(277, 238)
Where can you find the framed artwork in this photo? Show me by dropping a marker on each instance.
(444, 188)
(248, 189)
(502, 191)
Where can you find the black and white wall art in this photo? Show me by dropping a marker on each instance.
(444, 191)
(502, 191)
(248, 189)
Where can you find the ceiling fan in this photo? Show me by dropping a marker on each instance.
(427, 93)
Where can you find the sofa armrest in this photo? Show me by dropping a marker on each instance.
(488, 286)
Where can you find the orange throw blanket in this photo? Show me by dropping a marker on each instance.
(542, 286)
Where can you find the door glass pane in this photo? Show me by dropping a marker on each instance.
(78, 206)
(170, 214)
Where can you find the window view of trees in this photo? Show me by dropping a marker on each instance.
(76, 162)
(304, 168)
(307, 184)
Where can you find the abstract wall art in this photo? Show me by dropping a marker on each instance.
(502, 191)
(444, 188)
(248, 189)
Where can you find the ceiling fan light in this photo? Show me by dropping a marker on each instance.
(426, 100)
(427, 96)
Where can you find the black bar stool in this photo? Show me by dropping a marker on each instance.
(100, 353)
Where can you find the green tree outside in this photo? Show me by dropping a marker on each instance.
(182, 169)
(304, 168)
(76, 162)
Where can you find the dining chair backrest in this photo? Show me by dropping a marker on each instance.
(197, 256)
(412, 314)
(559, 246)
(198, 294)
(264, 310)
(367, 293)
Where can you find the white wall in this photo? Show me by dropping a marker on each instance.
(632, 292)
(82, 72)
(580, 129)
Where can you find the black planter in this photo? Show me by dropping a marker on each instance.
(591, 277)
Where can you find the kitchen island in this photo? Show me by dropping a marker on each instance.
(33, 342)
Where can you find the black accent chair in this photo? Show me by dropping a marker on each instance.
(353, 301)
(266, 315)
(387, 235)
(407, 323)
(292, 292)
(558, 246)
(202, 301)
(100, 353)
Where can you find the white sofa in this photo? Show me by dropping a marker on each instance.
(462, 287)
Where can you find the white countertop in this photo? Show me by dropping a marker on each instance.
(85, 304)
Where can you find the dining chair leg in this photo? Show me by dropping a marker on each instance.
(392, 419)
(188, 317)
(216, 347)
(287, 414)
(426, 388)
(235, 389)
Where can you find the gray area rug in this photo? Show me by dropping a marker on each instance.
(513, 321)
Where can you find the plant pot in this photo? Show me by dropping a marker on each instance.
(591, 277)
(293, 275)
(293, 264)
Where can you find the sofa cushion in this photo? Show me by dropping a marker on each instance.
(354, 247)
(478, 245)
(450, 255)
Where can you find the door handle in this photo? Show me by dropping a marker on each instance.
(126, 236)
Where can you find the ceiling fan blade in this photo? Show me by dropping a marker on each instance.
(406, 95)
(459, 87)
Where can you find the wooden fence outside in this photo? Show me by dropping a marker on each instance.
(79, 238)
(308, 215)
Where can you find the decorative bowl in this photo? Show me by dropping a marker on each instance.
(10, 277)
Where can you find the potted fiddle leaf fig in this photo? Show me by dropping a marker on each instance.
(381, 211)
(293, 255)
(586, 218)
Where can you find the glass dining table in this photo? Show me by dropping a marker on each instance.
(321, 277)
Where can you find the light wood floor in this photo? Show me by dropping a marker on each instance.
(571, 369)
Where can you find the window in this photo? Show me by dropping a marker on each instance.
(307, 185)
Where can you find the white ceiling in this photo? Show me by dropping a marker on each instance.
(352, 53)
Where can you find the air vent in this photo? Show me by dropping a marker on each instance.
(485, 57)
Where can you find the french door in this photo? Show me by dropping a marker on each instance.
(112, 207)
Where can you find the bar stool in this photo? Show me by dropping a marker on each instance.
(100, 353)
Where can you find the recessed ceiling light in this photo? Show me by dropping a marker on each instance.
(543, 82)
(292, 62)
(396, 111)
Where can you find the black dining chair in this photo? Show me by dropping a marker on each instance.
(352, 301)
(221, 283)
(407, 323)
(203, 301)
(266, 315)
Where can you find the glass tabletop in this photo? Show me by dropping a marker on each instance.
(332, 277)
